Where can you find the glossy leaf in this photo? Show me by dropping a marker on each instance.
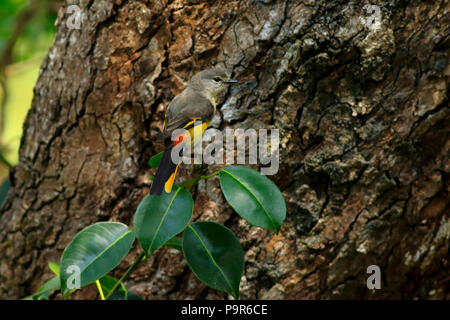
(253, 196)
(47, 288)
(51, 285)
(160, 218)
(215, 256)
(121, 293)
(154, 161)
(94, 252)
(108, 282)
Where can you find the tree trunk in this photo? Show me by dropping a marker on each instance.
(361, 100)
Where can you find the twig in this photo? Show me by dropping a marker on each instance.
(126, 274)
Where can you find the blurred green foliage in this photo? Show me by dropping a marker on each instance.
(38, 33)
(20, 93)
(28, 52)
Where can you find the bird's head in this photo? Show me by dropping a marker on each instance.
(211, 82)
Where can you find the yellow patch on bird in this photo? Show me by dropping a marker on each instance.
(191, 122)
(196, 134)
(197, 131)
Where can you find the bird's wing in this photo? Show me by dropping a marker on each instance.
(184, 109)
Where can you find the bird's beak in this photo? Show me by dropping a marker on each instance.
(231, 81)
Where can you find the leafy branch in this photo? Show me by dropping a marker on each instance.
(212, 251)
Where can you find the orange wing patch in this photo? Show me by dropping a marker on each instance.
(192, 131)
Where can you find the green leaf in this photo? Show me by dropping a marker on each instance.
(44, 291)
(253, 196)
(95, 250)
(54, 267)
(154, 161)
(107, 283)
(160, 218)
(51, 285)
(215, 256)
(175, 243)
(121, 293)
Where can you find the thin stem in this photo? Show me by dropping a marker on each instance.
(210, 176)
(100, 290)
(126, 274)
(188, 184)
(191, 183)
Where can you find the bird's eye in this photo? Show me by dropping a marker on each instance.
(217, 79)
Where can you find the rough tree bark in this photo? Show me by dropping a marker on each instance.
(364, 120)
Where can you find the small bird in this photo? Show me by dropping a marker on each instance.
(196, 104)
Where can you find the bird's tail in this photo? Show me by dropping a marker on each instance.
(165, 175)
(167, 170)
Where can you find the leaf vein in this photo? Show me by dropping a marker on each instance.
(212, 258)
(163, 218)
(254, 196)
